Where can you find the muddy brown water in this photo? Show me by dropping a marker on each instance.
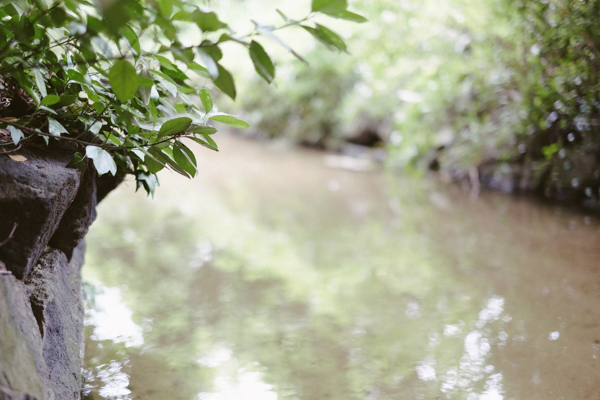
(281, 273)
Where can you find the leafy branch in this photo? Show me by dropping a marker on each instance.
(80, 73)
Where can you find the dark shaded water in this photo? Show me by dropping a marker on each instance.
(275, 276)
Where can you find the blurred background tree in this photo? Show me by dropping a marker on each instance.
(507, 86)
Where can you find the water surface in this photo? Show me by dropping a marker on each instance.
(277, 275)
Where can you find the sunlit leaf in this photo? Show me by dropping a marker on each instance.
(102, 159)
(349, 16)
(326, 36)
(229, 120)
(210, 63)
(40, 82)
(16, 134)
(50, 99)
(148, 180)
(262, 62)
(203, 130)
(153, 111)
(174, 126)
(55, 128)
(203, 142)
(123, 80)
(77, 162)
(329, 6)
(225, 82)
(96, 126)
(165, 62)
(165, 156)
(207, 102)
(207, 22)
(152, 160)
(132, 38)
(185, 158)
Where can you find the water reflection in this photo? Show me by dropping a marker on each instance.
(111, 318)
(275, 276)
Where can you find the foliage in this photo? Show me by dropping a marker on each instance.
(496, 81)
(561, 89)
(120, 81)
(309, 112)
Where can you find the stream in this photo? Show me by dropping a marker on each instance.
(280, 273)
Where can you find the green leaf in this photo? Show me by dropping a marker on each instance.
(185, 158)
(77, 162)
(95, 128)
(200, 70)
(146, 82)
(212, 50)
(262, 62)
(166, 7)
(206, 100)
(153, 111)
(166, 156)
(326, 36)
(16, 134)
(181, 16)
(207, 22)
(211, 65)
(102, 159)
(55, 128)
(40, 82)
(51, 99)
(76, 76)
(47, 109)
(25, 83)
(205, 143)
(58, 16)
(66, 100)
(94, 24)
(99, 107)
(203, 130)
(132, 38)
(91, 94)
(174, 126)
(152, 161)
(329, 6)
(349, 16)
(229, 120)
(11, 10)
(225, 82)
(145, 89)
(148, 181)
(180, 108)
(165, 62)
(186, 56)
(123, 80)
(118, 13)
(210, 141)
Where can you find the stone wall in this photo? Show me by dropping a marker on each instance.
(45, 212)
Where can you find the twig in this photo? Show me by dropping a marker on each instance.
(11, 151)
(10, 235)
(101, 145)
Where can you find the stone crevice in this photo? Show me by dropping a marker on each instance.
(41, 297)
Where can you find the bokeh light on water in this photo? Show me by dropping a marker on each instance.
(279, 275)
